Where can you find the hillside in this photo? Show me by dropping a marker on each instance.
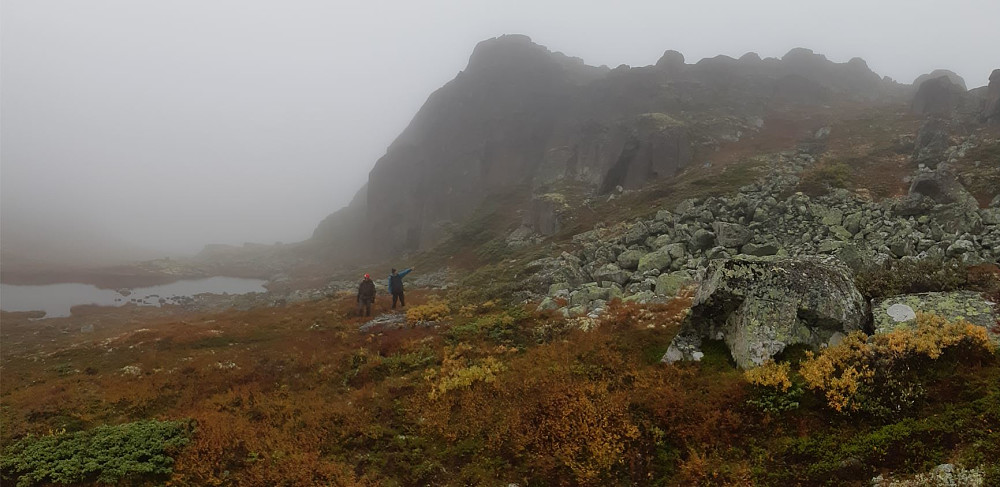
(734, 272)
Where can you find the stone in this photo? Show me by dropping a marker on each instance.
(611, 272)
(759, 250)
(901, 312)
(852, 223)
(990, 216)
(760, 306)
(960, 247)
(555, 288)
(732, 235)
(637, 234)
(828, 216)
(891, 313)
(991, 107)
(657, 260)
(937, 96)
(675, 250)
(671, 283)
(548, 304)
(629, 259)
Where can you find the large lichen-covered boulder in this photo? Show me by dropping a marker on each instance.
(901, 311)
(760, 306)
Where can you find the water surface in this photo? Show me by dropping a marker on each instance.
(57, 299)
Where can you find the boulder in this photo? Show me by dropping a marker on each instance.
(991, 109)
(611, 272)
(702, 239)
(732, 235)
(671, 283)
(629, 259)
(942, 187)
(657, 260)
(900, 311)
(759, 250)
(759, 306)
(937, 96)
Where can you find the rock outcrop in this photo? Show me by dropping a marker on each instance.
(522, 116)
(760, 306)
(991, 107)
(938, 96)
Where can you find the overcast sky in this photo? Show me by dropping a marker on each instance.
(172, 124)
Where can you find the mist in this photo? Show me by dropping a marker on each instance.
(155, 128)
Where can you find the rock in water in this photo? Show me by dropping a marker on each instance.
(759, 306)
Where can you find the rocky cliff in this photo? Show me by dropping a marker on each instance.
(521, 116)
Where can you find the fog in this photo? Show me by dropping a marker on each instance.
(168, 125)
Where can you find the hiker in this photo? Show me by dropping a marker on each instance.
(366, 296)
(396, 286)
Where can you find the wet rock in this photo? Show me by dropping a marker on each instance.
(759, 306)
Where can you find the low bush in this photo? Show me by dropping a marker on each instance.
(433, 311)
(912, 276)
(773, 390)
(106, 454)
(877, 374)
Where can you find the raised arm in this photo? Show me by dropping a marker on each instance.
(404, 272)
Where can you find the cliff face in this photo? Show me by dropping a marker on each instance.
(522, 116)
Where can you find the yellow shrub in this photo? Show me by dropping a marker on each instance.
(427, 312)
(772, 375)
(862, 367)
(459, 372)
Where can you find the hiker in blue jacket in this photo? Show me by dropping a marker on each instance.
(396, 286)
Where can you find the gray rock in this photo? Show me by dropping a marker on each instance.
(732, 235)
(657, 260)
(671, 283)
(760, 306)
(637, 234)
(960, 247)
(852, 223)
(611, 272)
(702, 240)
(629, 259)
(548, 304)
(759, 250)
(675, 250)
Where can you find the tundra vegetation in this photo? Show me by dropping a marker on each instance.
(298, 396)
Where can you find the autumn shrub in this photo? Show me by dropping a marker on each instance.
(881, 374)
(106, 454)
(896, 277)
(773, 391)
(433, 311)
(458, 370)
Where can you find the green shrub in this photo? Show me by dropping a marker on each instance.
(105, 454)
(912, 276)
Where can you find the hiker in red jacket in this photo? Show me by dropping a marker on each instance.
(366, 296)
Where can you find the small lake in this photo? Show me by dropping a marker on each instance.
(57, 299)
